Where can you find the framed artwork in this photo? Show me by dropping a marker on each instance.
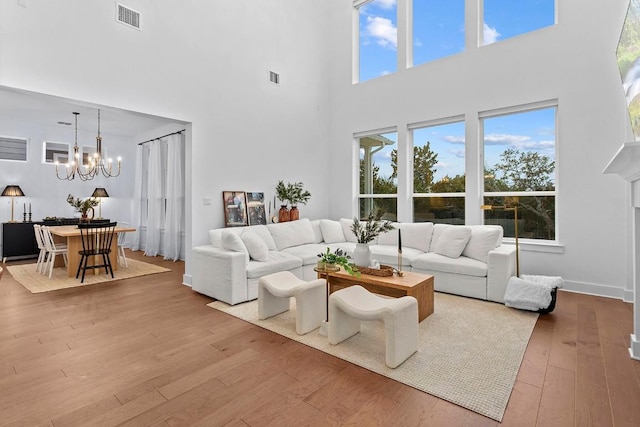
(235, 208)
(255, 208)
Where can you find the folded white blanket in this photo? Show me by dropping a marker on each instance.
(527, 294)
(551, 281)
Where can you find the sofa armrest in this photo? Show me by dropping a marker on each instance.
(220, 274)
(501, 266)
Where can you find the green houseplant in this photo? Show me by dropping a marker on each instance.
(337, 258)
(82, 205)
(365, 231)
(294, 194)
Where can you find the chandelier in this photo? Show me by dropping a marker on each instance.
(96, 163)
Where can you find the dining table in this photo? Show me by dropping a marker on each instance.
(70, 234)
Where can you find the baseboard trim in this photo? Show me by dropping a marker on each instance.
(186, 280)
(596, 289)
(634, 348)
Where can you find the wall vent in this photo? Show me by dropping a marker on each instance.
(274, 77)
(128, 16)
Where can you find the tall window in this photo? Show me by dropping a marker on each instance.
(56, 152)
(438, 29)
(504, 19)
(378, 38)
(438, 173)
(379, 174)
(519, 154)
(13, 148)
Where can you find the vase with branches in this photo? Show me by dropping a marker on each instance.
(83, 206)
(294, 194)
(366, 231)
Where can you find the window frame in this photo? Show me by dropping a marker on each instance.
(18, 139)
(54, 152)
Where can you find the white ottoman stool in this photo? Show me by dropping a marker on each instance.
(274, 291)
(348, 306)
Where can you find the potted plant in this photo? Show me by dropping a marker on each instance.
(83, 206)
(365, 231)
(293, 194)
(335, 259)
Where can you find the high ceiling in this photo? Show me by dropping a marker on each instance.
(29, 108)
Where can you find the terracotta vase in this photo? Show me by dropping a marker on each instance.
(294, 213)
(283, 214)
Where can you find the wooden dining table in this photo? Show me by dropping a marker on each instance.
(71, 235)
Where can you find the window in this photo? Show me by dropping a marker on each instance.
(56, 152)
(505, 19)
(438, 173)
(438, 29)
(519, 156)
(87, 154)
(378, 38)
(378, 175)
(13, 148)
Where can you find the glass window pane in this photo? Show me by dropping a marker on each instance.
(87, 153)
(438, 159)
(378, 164)
(388, 206)
(536, 216)
(378, 39)
(447, 210)
(56, 152)
(504, 19)
(519, 151)
(438, 29)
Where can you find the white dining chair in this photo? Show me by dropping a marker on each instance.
(42, 256)
(122, 258)
(53, 249)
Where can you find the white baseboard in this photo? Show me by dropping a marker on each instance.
(628, 296)
(186, 280)
(596, 289)
(634, 349)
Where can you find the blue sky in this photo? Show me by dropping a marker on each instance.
(439, 32)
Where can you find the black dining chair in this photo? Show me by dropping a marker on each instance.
(96, 242)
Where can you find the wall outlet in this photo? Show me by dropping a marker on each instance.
(206, 201)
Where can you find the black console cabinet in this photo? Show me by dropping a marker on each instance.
(19, 240)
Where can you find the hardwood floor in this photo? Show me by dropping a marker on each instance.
(147, 351)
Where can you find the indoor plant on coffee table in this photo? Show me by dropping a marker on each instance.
(330, 261)
(365, 231)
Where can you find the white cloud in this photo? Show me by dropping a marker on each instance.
(490, 34)
(383, 31)
(384, 4)
(459, 153)
(537, 145)
(454, 139)
(505, 139)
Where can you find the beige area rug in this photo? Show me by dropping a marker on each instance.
(469, 351)
(27, 276)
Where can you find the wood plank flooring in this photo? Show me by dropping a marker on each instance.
(147, 351)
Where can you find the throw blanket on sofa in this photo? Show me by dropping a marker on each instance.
(530, 292)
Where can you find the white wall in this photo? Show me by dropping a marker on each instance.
(201, 62)
(573, 62)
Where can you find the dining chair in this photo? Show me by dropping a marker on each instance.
(42, 256)
(96, 244)
(53, 249)
(122, 237)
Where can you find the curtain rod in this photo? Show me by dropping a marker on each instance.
(169, 134)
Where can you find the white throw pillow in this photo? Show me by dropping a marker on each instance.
(263, 233)
(231, 241)
(256, 247)
(483, 239)
(315, 225)
(331, 231)
(452, 241)
(292, 233)
(346, 224)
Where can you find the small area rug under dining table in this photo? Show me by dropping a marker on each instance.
(469, 351)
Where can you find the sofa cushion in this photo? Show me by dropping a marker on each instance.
(276, 261)
(388, 254)
(263, 232)
(331, 231)
(256, 247)
(231, 241)
(292, 233)
(437, 232)
(315, 225)
(453, 240)
(346, 224)
(415, 235)
(483, 239)
(215, 238)
(434, 262)
(308, 253)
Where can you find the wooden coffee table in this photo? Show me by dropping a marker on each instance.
(419, 286)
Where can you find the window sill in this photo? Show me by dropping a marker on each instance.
(547, 246)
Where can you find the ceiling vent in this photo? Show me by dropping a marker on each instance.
(128, 17)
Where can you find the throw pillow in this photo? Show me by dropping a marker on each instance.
(452, 241)
(292, 233)
(483, 239)
(331, 231)
(231, 241)
(256, 247)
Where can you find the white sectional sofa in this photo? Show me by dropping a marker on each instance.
(464, 260)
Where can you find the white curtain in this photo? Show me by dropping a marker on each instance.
(175, 198)
(136, 208)
(154, 199)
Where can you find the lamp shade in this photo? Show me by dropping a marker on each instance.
(100, 192)
(12, 191)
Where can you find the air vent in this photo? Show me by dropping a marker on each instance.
(274, 77)
(128, 17)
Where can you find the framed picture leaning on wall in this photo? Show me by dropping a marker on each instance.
(235, 208)
(255, 208)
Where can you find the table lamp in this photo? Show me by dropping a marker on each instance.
(12, 191)
(99, 193)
